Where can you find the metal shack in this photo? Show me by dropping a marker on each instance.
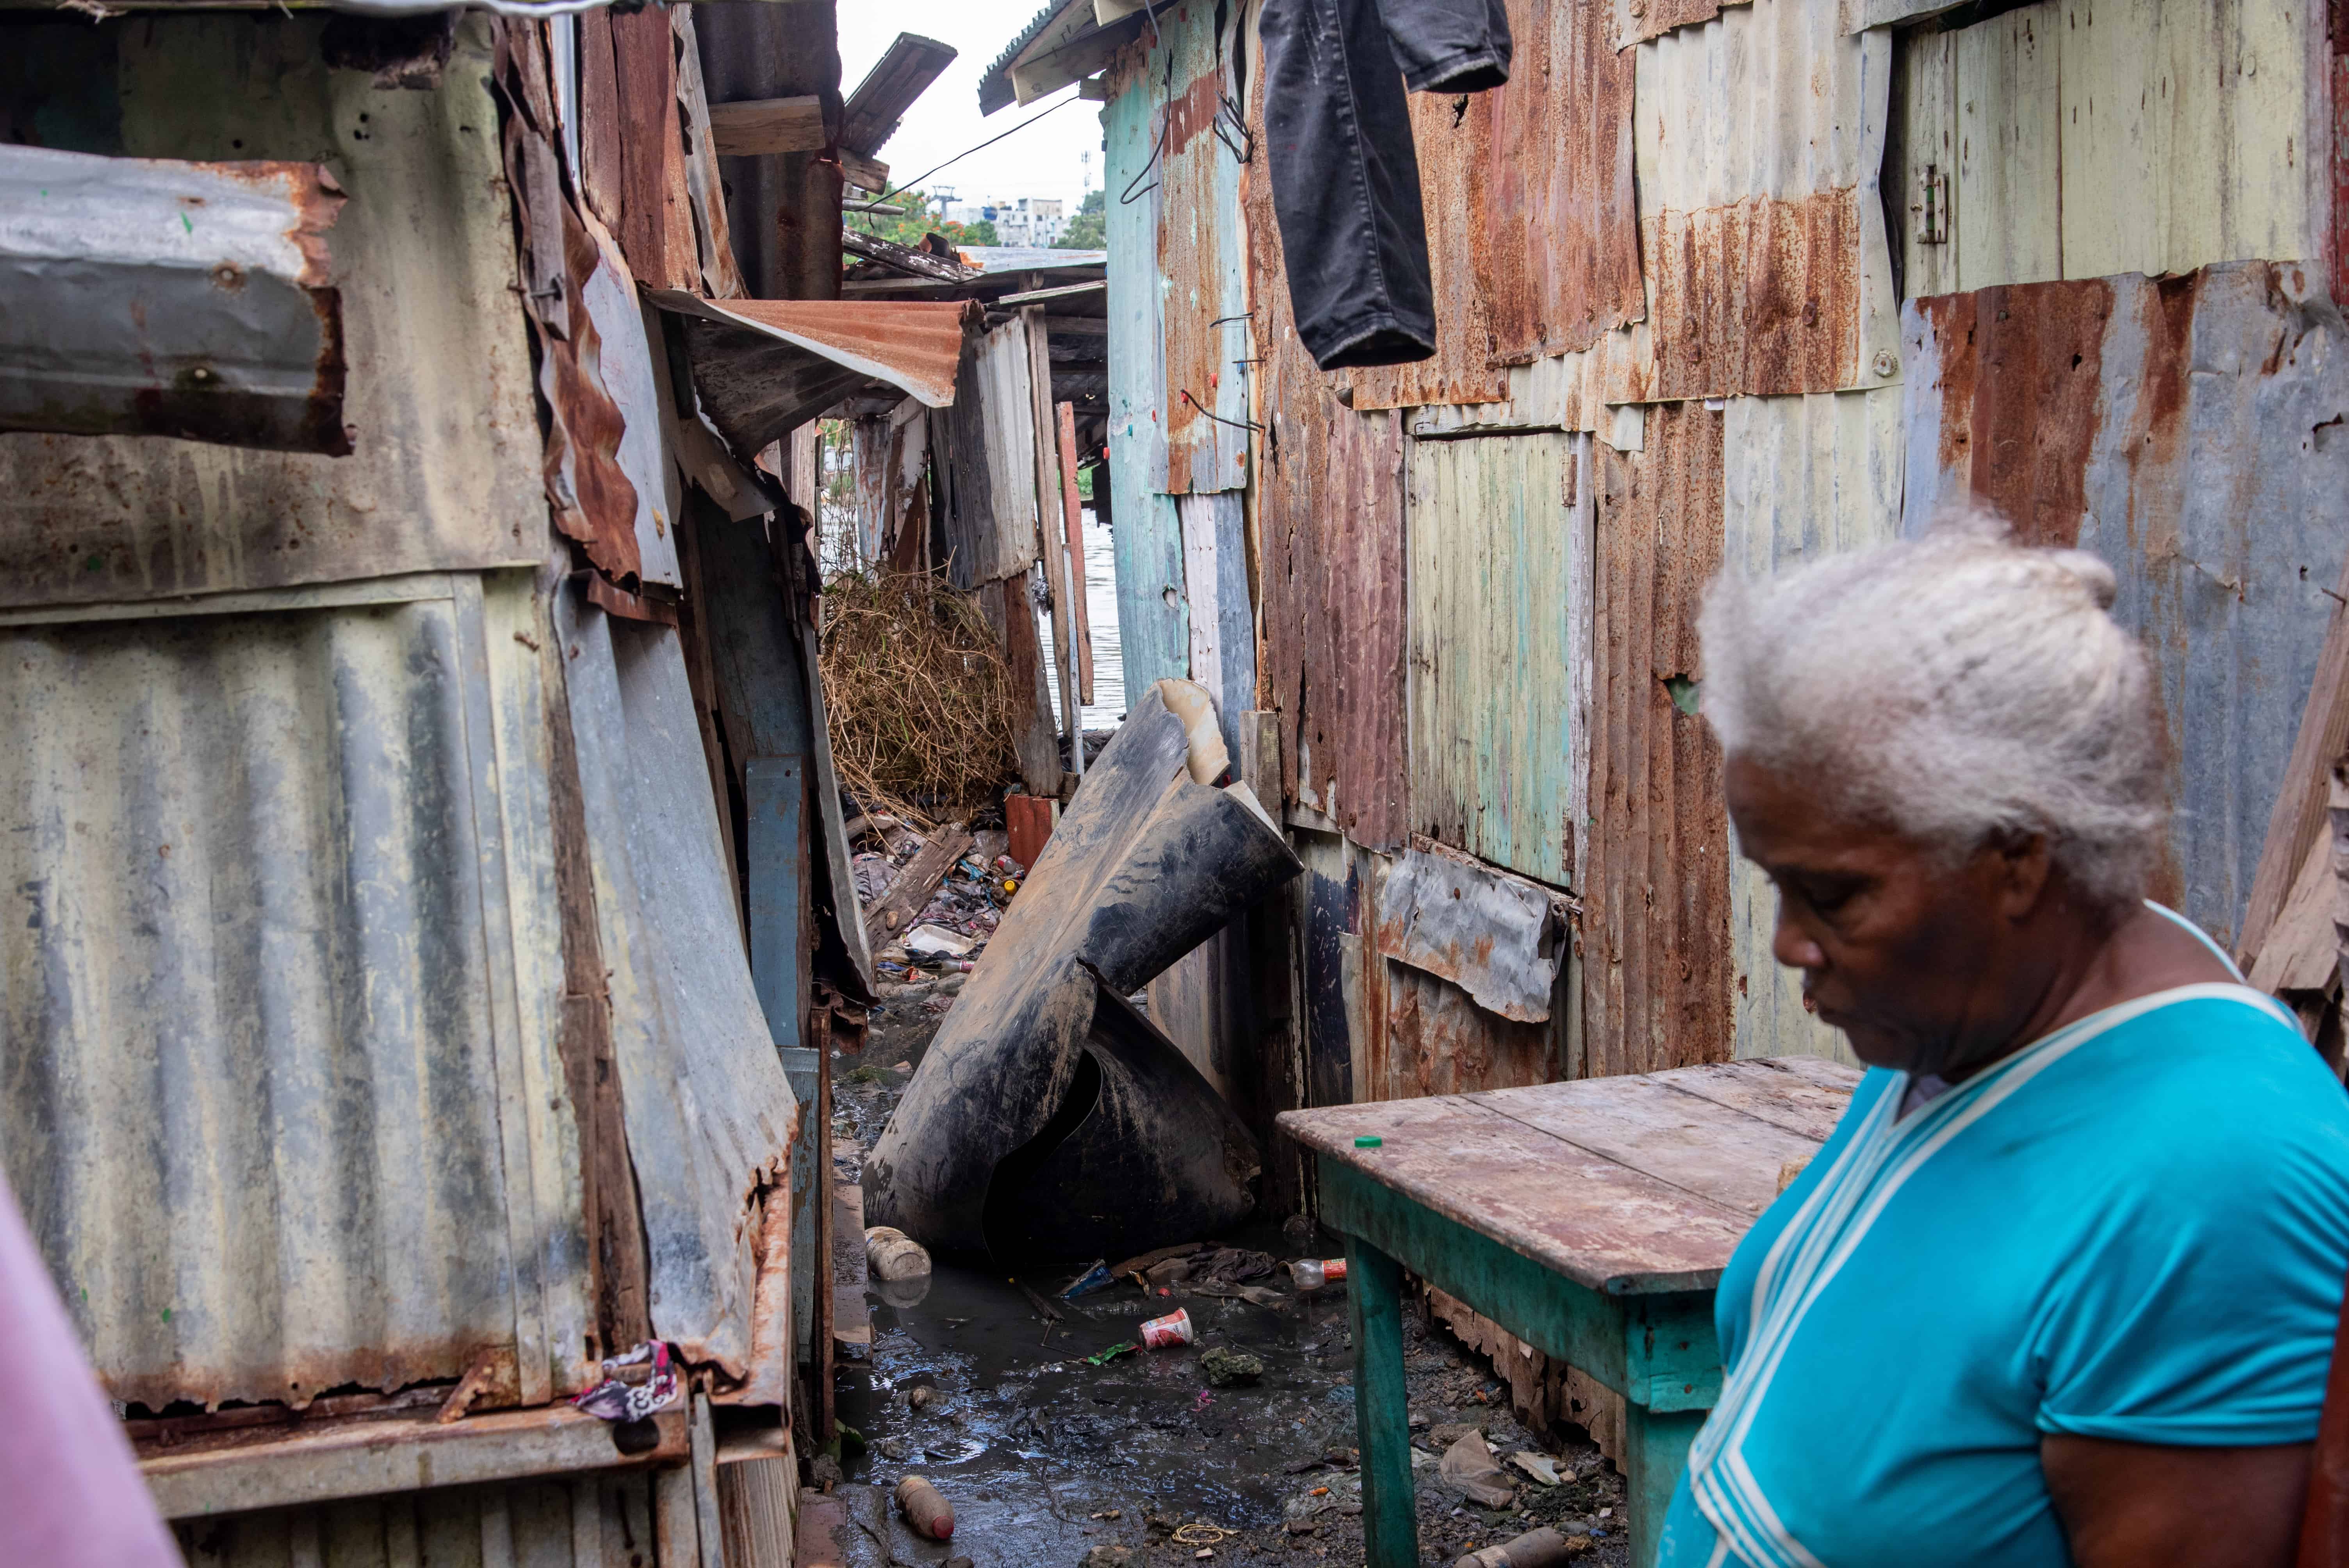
(426, 890)
(1716, 285)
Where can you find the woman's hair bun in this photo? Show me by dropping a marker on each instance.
(2096, 574)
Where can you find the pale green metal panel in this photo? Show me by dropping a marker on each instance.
(1154, 627)
(1499, 626)
(1803, 478)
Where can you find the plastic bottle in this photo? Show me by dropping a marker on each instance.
(930, 1515)
(1312, 1274)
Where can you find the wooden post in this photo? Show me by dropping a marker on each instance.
(1073, 512)
(1655, 1456)
(1381, 1412)
(1065, 599)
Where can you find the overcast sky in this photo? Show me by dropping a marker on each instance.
(1042, 161)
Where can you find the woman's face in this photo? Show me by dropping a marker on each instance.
(1924, 966)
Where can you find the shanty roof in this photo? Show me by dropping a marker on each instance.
(1068, 41)
(764, 367)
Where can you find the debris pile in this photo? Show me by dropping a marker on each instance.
(932, 901)
(919, 701)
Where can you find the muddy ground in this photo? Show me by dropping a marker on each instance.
(1047, 1458)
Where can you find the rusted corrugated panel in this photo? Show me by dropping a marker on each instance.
(1193, 196)
(1638, 20)
(282, 985)
(2185, 429)
(1657, 961)
(991, 505)
(656, 220)
(1496, 936)
(1499, 619)
(1331, 526)
(1803, 478)
(710, 1112)
(1760, 136)
(1563, 224)
(447, 440)
(764, 367)
(149, 296)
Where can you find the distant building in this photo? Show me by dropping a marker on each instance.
(1030, 221)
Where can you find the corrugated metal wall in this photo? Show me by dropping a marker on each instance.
(1499, 619)
(281, 1099)
(1654, 874)
(438, 398)
(2191, 441)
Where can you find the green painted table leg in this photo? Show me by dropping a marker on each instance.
(1382, 1415)
(1656, 1451)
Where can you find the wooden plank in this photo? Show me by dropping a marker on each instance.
(1690, 1142)
(864, 173)
(1048, 543)
(1064, 292)
(902, 904)
(757, 126)
(1656, 1448)
(1072, 515)
(904, 72)
(652, 141)
(368, 1458)
(1806, 1096)
(1584, 1217)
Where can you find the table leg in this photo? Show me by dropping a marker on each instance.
(1381, 1411)
(1655, 1453)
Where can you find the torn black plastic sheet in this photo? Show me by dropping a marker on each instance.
(1049, 1118)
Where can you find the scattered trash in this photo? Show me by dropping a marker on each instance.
(1108, 1557)
(1203, 1534)
(1174, 1328)
(928, 1513)
(1103, 1358)
(1203, 1551)
(1109, 1513)
(903, 1068)
(1541, 1467)
(936, 941)
(1312, 1274)
(1543, 1548)
(897, 1450)
(1468, 1465)
(1044, 1309)
(892, 1254)
(1225, 1368)
(1091, 1279)
(615, 1399)
(1202, 1402)
(919, 1395)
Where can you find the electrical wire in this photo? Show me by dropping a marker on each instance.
(965, 153)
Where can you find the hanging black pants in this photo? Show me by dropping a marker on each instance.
(1345, 182)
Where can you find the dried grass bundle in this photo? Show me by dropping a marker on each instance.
(919, 698)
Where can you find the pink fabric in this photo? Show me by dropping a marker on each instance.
(70, 1493)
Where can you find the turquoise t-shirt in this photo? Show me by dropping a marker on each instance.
(2136, 1228)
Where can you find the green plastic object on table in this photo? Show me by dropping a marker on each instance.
(1367, 1142)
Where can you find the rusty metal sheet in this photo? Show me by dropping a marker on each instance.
(285, 962)
(988, 448)
(710, 1115)
(438, 396)
(591, 1520)
(1438, 1040)
(1177, 142)
(767, 367)
(891, 457)
(1657, 960)
(1758, 297)
(153, 297)
(1496, 936)
(1330, 526)
(1636, 20)
(2187, 431)
(655, 218)
(712, 228)
(1499, 606)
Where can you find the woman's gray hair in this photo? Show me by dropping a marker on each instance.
(1954, 686)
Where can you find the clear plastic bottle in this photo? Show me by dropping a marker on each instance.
(1312, 1274)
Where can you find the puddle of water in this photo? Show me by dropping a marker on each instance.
(1031, 1443)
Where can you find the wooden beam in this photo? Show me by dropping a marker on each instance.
(1073, 512)
(864, 172)
(757, 126)
(913, 263)
(900, 906)
(1064, 292)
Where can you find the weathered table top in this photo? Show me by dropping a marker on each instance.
(1627, 1186)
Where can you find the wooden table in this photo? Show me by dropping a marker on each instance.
(1589, 1219)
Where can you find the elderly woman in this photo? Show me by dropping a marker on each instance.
(2063, 1287)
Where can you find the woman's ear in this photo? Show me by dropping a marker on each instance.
(2024, 865)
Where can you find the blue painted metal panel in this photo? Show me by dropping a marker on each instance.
(2186, 429)
(774, 790)
(1153, 625)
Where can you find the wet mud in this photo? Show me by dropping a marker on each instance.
(1051, 1460)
